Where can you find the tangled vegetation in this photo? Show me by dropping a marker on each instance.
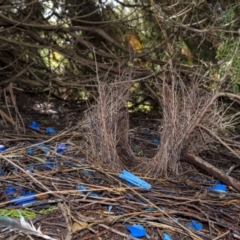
(181, 58)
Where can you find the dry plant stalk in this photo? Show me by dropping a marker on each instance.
(192, 119)
(16, 120)
(106, 125)
(182, 106)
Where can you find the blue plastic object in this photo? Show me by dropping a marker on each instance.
(61, 147)
(129, 177)
(2, 148)
(85, 173)
(149, 209)
(10, 190)
(221, 188)
(30, 151)
(136, 230)
(34, 125)
(166, 236)
(44, 148)
(81, 187)
(1, 172)
(31, 169)
(24, 195)
(46, 166)
(50, 130)
(156, 141)
(26, 198)
(94, 195)
(110, 208)
(195, 225)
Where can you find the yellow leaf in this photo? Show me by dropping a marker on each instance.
(132, 42)
(79, 226)
(118, 191)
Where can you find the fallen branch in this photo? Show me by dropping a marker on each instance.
(215, 172)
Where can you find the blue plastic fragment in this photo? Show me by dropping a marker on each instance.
(34, 125)
(30, 151)
(11, 189)
(31, 169)
(156, 141)
(61, 147)
(46, 166)
(83, 188)
(110, 208)
(94, 195)
(166, 236)
(85, 173)
(195, 225)
(134, 180)
(149, 209)
(136, 230)
(2, 148)
(50, 130)
(26, 198)
(218, 188)
(1, 172)
(175, 218)
(45, 149)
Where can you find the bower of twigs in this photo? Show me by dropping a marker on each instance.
(194, 128)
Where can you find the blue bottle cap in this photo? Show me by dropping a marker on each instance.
(2, 148)
(34, 125)
(50, 130)
(61, 147)
(136, 230)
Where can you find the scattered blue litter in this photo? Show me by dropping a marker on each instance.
(34, 125)
(2, 148)
(50, 130)
(94, 195)
(10, 190)
(156, 141)
(149, 209)
(45, 149)
(30, 169)
(129, 177)
(110, 208)
(85, 173)
(136, 230)
(26, 198)
(60, 148)
(166, 236)
(221, 188)
(175, 218)
(30, 151)
(195, 225)
(46, 166)
(24, 195)
(83, 188)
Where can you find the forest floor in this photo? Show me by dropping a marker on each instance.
(72, 199)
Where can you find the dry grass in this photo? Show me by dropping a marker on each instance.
(106, 126)
(192, 119)
(11, 114)
(181, 106)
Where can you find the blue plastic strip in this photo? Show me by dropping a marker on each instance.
(136, 181)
